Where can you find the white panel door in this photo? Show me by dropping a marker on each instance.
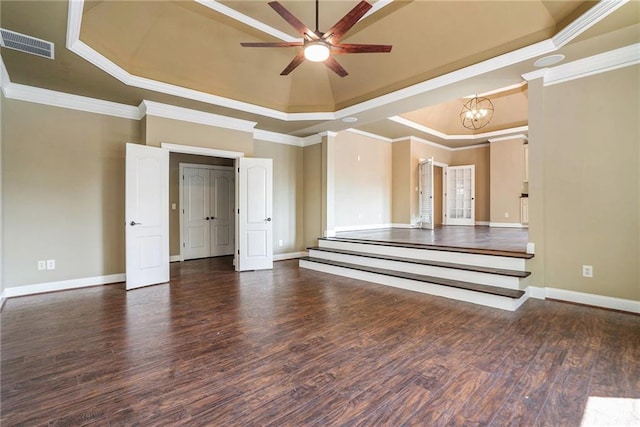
(222, 219)
(255, 227)
(426, 194)
(195, 218)
(460, 195)
(147, 215)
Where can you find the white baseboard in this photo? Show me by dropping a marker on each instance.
(602, 301)
(174, 258)
(507, 225)
(399, 225)
(17, 291)
(536, 292)
(482, 222)
(362, 227)
(290, 255)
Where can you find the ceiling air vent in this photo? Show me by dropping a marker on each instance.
(27, 44)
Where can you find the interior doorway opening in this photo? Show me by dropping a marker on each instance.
(202, 201)
(194, 155)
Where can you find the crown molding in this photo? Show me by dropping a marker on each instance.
(588, 19)
(471, 147)
(267, 29)
(507, 138)
(369, 135)
(280, 138)
(247, 20)
(328, 134)
(535, 74)
(311, 140)
(150, 108)
(582, 24)
(421, 141)
(476, 137)
(64, 100)
(596, 64)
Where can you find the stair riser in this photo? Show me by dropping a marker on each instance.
(488, 300)
(491, 261)
(507, 282)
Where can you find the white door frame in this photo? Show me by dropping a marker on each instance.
(446, 218)
(201, 151)
(181, 167)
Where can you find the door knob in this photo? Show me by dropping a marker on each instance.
(132, 223)
(207, 218)
(268, 219)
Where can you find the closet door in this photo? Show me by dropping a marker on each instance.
(196, 232)
(222, 220)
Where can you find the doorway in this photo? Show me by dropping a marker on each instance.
(176, 199)
(207, 220)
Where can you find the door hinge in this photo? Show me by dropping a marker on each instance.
(238, 211)
(183, 211)
(184, 245)
(238, 170)
(238, 251)
(183, 177)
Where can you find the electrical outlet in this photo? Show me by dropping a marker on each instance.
(173, 206)
(280, 243)
(51, 264)
(506, 214)
(42, 265)
(587, 271)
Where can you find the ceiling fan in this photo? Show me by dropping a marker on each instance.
(320, 47)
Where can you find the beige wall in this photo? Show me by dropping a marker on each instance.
(158, 130)
(362, 180)
(288, 197)
(63, 192)
(480, 157)
(174, 191)
(507, 175)
(312, 194)
(584, 158)
(401, 182)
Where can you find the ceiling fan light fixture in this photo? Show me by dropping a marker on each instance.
(316, 51)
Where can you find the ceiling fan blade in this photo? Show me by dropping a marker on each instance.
(336, 32)
(293, 21)
(335, 66)
(360, 48)
(297, 60)
(276, 44)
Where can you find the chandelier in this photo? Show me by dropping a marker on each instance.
(476, 113)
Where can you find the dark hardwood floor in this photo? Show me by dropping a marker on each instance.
(479, 237)
(297, 347)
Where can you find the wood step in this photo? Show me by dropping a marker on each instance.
(486, 289)
(466, 267)
(476, 251)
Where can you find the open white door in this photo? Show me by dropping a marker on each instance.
(254, 225)
(147, 215)
(426, 194)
